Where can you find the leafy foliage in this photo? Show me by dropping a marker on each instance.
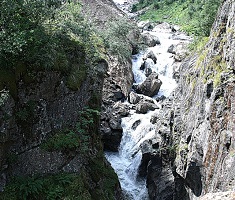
(49, 188)
(78, 138)
(63, 141)
(196, 17)
(38, 35)
(116, 39)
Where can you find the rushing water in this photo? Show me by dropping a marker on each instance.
(127, 160)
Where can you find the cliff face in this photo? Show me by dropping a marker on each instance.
(199, 126)
(50, 127)
(119, 77)
(207, 111)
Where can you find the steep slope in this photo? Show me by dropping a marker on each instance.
(208, 112)
(50, 144)
(119, 79)
(198, 122)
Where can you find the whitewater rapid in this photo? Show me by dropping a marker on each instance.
(127, 160)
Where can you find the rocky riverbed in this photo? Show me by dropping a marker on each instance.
(155, 73)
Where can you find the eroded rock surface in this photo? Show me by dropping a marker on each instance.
(150, 86)
(198, 130)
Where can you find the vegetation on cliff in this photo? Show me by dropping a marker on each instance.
(38, 37)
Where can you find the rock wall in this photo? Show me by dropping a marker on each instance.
(200, 125)
(43, 111)
(119, 77)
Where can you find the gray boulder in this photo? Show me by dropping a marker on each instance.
(171, 49)
(144, 106)
(148, 71)
(134, 98)
(152, 56)
(147, 66)
(150, 40)
(150, 86)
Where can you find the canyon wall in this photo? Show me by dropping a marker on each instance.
(198, 125)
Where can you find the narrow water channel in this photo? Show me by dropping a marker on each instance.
(127, 160)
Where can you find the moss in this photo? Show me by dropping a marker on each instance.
(217, 79)
(95, 101)
(63, 141)
(60, 186)
(105, 177)
(76, 78)
(97, 180)
(201, 59)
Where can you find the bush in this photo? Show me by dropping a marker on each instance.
(45, 35)
(116, 40)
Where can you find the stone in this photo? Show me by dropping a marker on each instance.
(150, 40)
(161, 98)
(136, 124)
(112, 141)
(144, 106)
(171, 49)
(147, 66)
(150, 86)
(154, 118)
(152, 56)
(134, 98)
(115, 123)
(147, 71)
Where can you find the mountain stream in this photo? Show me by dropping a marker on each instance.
(127, 160)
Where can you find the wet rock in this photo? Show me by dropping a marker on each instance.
(148, 63)
(161, 98)
(147, 71)
(152, 56)
(150, 86)
(112, 140)
(136, 124)
(171, 49)
(154, 118)
(118, 96)
(144, 106)
(147, 66)
(121, 109)
(110, 127)
(134, 98)
(115, 123)
(150, 40)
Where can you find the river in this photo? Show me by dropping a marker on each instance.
(127, 160)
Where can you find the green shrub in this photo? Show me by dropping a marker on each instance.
(62, 141)
(78, 138)
(45, 35)
(195, 17)
(116, 40)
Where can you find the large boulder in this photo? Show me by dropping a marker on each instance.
(148, 63)
(147, 66)
(151, 55)
(134, 98)
(150, 40)
(146, 25)
(150, 86)
(171, 49)
(144, 106)
(180, 51)
(110, 128)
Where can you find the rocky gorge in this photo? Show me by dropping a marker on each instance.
(165, 119)
(190, 154)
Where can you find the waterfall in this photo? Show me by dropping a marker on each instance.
(127, 160)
